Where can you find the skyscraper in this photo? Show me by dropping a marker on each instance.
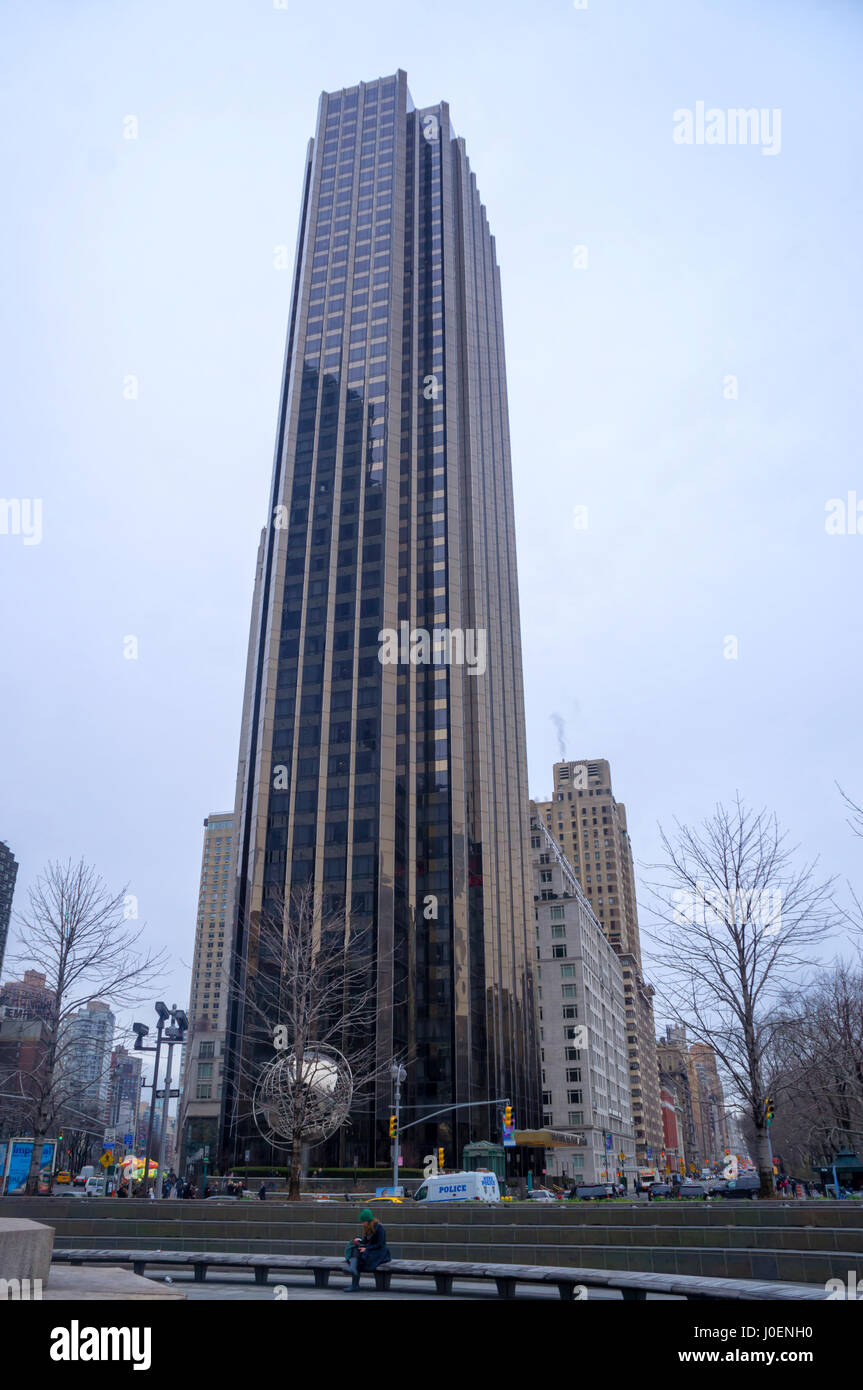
(590, 827)
(585, 1075)
(85, 1061)
(8, 875)
(382, 754)
(201, 1093)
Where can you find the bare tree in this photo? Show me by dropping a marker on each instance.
(819, 1053)
(735, 922)
(308, 990)
(854, 918)
(74, 931)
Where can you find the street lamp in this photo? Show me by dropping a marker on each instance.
(398, 1074)
(173, 1035)
(141, 1031)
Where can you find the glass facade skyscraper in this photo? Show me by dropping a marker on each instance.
(8, 875)
(389, 773)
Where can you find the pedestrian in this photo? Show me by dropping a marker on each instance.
(367, 1251)
(262, 1193)
(151, 1196)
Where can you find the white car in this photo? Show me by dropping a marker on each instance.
(542, 1194)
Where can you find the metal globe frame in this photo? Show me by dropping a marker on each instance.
(311, 1110)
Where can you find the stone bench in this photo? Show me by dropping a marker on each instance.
(506, 1277)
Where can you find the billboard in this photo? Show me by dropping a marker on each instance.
(18, 1153)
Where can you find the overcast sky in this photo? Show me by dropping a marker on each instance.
(154, 258)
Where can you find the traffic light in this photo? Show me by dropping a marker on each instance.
(507, 1114)
(440, 1162)
(392, 1126)
(768, 1109)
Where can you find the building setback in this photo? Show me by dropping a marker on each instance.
(585, 1076)
(386, 769)
(590, 827)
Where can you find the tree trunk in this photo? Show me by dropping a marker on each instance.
(294, 1188)
(31, 1188)
(762, 1158)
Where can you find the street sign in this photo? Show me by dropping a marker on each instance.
(107, 1159)
(160, 1095)
(128, 1140)
(621, 1157)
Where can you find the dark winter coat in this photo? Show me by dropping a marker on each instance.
(376, 1251)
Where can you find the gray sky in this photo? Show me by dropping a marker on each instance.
(153, 258)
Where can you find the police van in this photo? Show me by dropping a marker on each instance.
(459, 1187)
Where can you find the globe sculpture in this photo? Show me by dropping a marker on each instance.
(308, 1103)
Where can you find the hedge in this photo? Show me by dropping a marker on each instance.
(385, 1175)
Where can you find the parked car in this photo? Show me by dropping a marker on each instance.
(592, 1192)
(693, 1189)
(542, 1194)
(744, 1187)
(660, 1189)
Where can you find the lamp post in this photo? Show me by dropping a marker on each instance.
(141, 1031)
(398, 1074)
(173, 1035)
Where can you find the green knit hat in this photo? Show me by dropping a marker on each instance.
(367, 1214)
